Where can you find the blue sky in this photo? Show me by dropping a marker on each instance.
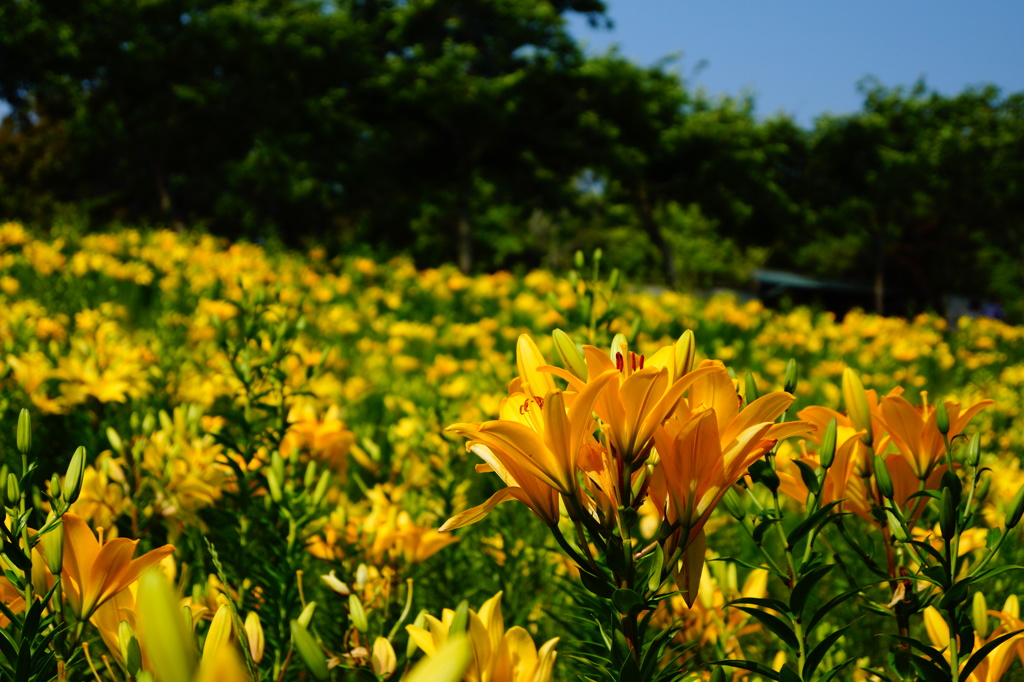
(805, 57)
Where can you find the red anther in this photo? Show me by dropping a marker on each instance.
(619, 363)
(540, 401)
(641, 362)
(632, 357)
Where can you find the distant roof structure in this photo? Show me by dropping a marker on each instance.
(781, 281)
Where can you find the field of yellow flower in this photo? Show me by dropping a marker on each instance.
(224, 461)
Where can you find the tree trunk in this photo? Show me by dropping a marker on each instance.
(465, 230)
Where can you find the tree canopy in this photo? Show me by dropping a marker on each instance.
(478, 131)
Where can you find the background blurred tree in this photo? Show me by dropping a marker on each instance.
(478, 131)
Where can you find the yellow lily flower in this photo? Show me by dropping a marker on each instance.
(499, 655)
(93, 572)
(995, 665)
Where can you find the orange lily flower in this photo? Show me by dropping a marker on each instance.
(995, 665)
(633, 407)
(93, 572)
(916, 434)
(521, 485)
(540, 434)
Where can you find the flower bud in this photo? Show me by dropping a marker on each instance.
(306, 616)
(685, 350)
(55, 489)
(883, 479)
(13, 492)
(1011, 607)
(856, 401)
(254, 636)
(974, 450)
(75, 476)
(827, 449)
(309, 651)
(942, 418)
(1016, 509)
(219, 635)
(116, 444)
(170, 647)
(130, 651)
(572, 357)
(947, 515)
(789, 382)
(53, 548)
(24, 440)
(274, 485)
(956, 488)
(979, 614)
(357, 614)
(383, 657)
(310, 475)
(460, 623)
(320, 492)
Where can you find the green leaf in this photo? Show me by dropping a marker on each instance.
(978, 656)
(788, 675)
(813, 521)
(776, 625)
(955, 595)
(817, 654)
(773, 604)
(835, 671)
(824, 610)
(809, 476)
(931, 653)
(627, 602)
(802, 590)
(759, 668)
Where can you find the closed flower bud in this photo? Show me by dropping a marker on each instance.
(383, 657)
(883, 479)
(460, 623)
(309, 651)
(974, 450)
(310, 475)
(827, 449)
(320, 492)
(856, 401)
(116, 444)
(1011, 607)
(274, 485)
(254, 636)
(956, 488)
(947, 515)
(130, 651)
(613, 280)
(942, 418)
(75, 476)
(572, 357)
(13, 491)
(24, 440)
(357, 614)
(306, 616)
(577, 259)
(1016, 509)
(984, 485)
(685, 350)
(789, 382)
(979, 614)
(53, 548)
(55, 488)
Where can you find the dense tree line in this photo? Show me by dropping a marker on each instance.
(477, 131)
